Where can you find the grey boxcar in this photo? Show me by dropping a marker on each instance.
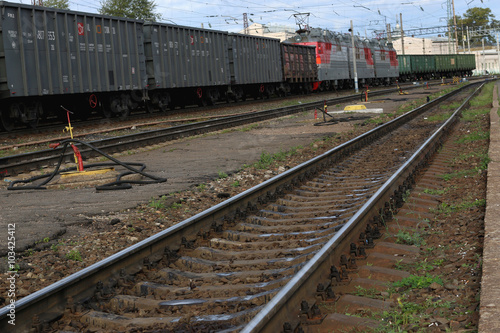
(185, 65)
(53, 53)
(255, 65)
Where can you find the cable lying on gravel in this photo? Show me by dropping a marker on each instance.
(118, 184)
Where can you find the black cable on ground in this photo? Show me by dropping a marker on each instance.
(325, 122)
(118, 184)
(334, 121)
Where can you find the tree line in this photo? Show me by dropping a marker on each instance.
(133, 9)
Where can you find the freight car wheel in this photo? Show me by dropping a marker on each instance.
(33, 123)
(6, 121)
(106, 111)
(119, 106)
(35, 112)
(212, 96)
(148, 105)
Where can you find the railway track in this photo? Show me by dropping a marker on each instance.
(21, 163)
(246, 263)
(143, 118)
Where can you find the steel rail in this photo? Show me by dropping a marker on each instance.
(55, 126)
(50, 303)
(15, 164)
(283, 307)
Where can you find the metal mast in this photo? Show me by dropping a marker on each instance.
(448, 5)
(245, 23)
(455, 25)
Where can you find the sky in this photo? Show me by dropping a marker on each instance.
(368, 16)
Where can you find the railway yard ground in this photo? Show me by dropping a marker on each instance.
(61, 230)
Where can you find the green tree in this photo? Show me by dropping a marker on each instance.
(476, 18)
(134, 9)
(61, 4)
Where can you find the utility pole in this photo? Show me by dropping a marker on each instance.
(448, 11)
(498, 54)
(354, 60)
(402, 36)
(463, 40)
(455, 25)
(245, 23)
(468, 39)
(389, 37)
(483, 55)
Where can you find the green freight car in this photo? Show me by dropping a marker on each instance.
(415, 67)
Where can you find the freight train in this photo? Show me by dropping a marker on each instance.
(416, 67)
(92, 63)
(89, 62)
(376, 61)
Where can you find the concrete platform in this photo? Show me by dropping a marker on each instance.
(489, 314)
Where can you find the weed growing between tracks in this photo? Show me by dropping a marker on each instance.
(443, 291)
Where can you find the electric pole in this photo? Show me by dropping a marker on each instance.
(455, 25)
(245, 23)
(402, 36)
(354, 60)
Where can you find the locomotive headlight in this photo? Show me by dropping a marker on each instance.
(298, 38)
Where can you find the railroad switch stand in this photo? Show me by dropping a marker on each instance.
(365, 94)
(401, 92)
(69, 128)
(325, 110)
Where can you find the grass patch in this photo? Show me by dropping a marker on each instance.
(161, 203)
(405, 237)
(417, 282)
(445, 208)
(158, 204)
(439, 117)
(370, 293)
(267, 159)
(474, 136)
(484, 98)
(222, 175)
(451, 106)
(461, 173)
(471, 114)
(74, 255)
(248, 128)
(436, 192)
(408, 314)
